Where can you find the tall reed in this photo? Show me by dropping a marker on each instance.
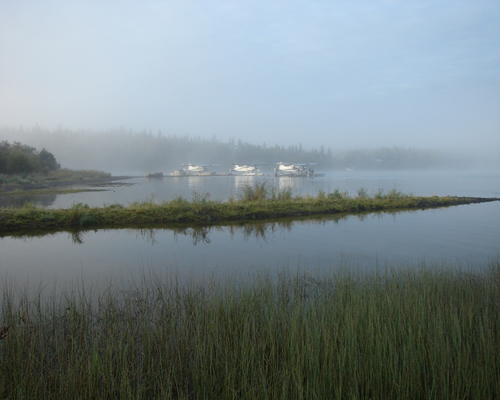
(416, 332)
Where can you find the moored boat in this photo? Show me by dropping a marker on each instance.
(154, 175)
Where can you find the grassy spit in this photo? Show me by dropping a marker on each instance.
(38, 192)
(417, 332)
(58, 175)
(254, 202)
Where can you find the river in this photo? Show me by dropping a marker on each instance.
(468, 235)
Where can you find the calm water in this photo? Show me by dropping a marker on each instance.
(469, 234)
(480, 184)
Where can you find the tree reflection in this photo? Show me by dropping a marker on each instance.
(260, 230)
(149, 235)
(77, 237)
(199, 234)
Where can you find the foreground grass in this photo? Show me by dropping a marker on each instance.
(417, 333)
(251, 204)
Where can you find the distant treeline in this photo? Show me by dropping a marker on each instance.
(125, 150)
(19, 158)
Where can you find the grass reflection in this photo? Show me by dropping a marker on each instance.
(259, 230)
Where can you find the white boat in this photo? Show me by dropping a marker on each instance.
(247, 169)
(291, 169)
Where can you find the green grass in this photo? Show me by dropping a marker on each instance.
(69, 174)
(417, 332)
(262, 192)
(253, 203)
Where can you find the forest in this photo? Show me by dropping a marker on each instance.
(123, 150)
(18, 158)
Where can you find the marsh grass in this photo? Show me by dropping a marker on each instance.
(427, 331)
(69, 174)
(262, 191)
(258, 191)
(253, 203)
(18, 179)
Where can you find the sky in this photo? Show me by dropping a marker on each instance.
(343, 74)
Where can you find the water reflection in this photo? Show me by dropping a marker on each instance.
(241, 181)
(42, 200)
(287, 182)
(260, 231)
(198, 234)
(195, 182)
(317, 244)
(77, 236)
(429, 183)
(148, 235)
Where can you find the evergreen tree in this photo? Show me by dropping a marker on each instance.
(48, 161)
(19, 162)
(20, 158)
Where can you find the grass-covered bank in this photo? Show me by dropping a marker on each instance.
(421, 332)
(253, 203)
(53, 182)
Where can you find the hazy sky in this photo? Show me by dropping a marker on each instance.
(339, 73)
